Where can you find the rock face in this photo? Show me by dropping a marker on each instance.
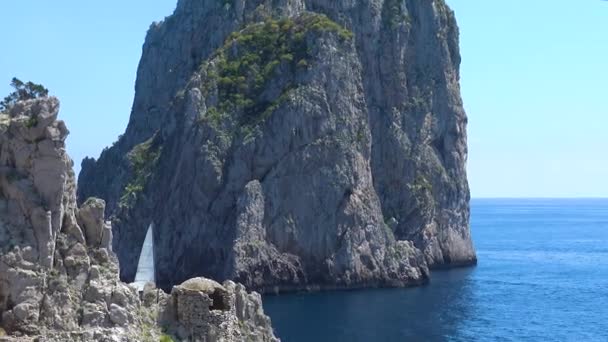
(58, 275)
(293, 144)
(202, 309)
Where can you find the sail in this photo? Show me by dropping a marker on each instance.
(145, 267)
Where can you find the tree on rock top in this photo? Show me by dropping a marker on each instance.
(23, 91)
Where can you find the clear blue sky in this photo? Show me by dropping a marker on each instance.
(534, 82)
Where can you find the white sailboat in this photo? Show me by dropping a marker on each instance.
(145, 267)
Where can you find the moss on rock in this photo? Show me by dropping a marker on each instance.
(143, 159)
(244, 67)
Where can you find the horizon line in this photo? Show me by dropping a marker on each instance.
(538, 197)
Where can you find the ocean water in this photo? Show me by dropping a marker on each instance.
(542, 276)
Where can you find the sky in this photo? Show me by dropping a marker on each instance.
(534, 81)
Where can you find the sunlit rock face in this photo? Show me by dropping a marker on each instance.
(203, 310)
(58, 275)
(292, 145)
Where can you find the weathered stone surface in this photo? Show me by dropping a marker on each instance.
(118, 315)
(343, 155)
(52, 279)
(58, 275)
(91, 217)
(203, 310)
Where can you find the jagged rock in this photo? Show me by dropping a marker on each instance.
(91, 217)
(118, 315)
(289, 183)
(150, 294)
(45, 259)
(93, 315)
(203, 310)
(58, 275)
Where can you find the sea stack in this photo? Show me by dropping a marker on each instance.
(293, 145)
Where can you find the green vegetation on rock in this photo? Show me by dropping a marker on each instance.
(23, 91)
(31, 122)
(166, 338)
(143, 159)
(422, 184)
(251, 58)
(422, 190)
(394, 14)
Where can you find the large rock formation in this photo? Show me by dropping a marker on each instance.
(58, 276)
(292, 144)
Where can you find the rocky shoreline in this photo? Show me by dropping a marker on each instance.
(58, 274)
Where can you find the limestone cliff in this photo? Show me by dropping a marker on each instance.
(58, 275)
(292, 144)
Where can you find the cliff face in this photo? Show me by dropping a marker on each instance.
(294, 144)
(58, 275)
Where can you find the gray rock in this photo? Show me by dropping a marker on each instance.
(56, 282)
(296, 191)
(91, 218)
(93, 315)
(24, 311)
(118, 315)
(202, 309)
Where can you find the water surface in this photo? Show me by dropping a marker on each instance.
(542, 276)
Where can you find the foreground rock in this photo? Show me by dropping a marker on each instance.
(58, 275)
(294, 144)
(202, 308)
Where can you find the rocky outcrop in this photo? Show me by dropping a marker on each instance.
(203, 310)
(294, 144)
(58, 275)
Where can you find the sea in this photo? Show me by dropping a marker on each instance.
(542, 275)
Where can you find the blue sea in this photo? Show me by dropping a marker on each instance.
(542, 276)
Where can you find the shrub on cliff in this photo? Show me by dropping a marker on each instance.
(142, 158)
(251, 57)
(23, 91)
